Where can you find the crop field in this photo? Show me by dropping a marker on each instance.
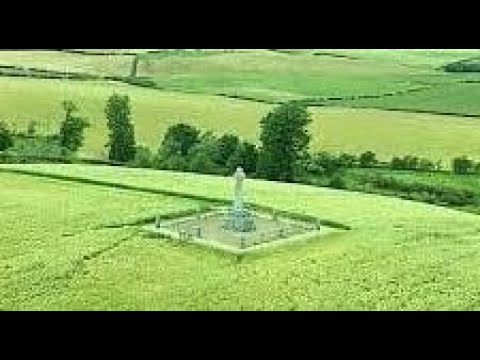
(68, 62)
(453, 98)
(258, 74)
(72, 236)
(59, 253)
(49, 228)
(337, 129)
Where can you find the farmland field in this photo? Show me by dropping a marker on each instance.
(334, 128)
(455, 98)
(399, 254)
(273, 76)
(72, 237)
(68, 62)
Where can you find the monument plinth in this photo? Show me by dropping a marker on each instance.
(235, 228)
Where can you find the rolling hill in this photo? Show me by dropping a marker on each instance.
(61, 250)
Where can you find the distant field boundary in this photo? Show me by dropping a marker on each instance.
(98, 53)
(201, 198)
(416, 111)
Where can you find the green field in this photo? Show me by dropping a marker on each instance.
(68, 62)
(456, 98)
(60, 250)
(268, 75)
(336, 129)
(71, 235)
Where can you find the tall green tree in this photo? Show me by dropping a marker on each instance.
(178, 140)
(227, 144)
(284, 141)
(121, 131)
(6, 138)
(71, 135)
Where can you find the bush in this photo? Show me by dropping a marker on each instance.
(6, 138)
(337, 182)
(203, 154)
(410, 162)
(38, 147)
(32, 128)
(72, 129)
(347, 160)
(368, 159)
(424, 192)
(172, 162)
(143, 157)
(227, 144)
(246, 156)
(463, 165)
(324, 164)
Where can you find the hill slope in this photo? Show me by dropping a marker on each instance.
(398, 255)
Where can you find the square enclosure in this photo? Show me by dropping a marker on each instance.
(210, 228)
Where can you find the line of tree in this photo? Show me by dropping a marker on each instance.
(185, 148)
(283, 154)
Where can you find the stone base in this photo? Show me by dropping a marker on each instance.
(240, 220)
(212, 229)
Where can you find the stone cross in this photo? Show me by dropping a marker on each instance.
(239, 178)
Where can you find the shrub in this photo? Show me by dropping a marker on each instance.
(410, 162)
(202, 155)
(348, 160)
(72, 129)
(463, 165)
(143, 157)
(324, 163)
(38, 147)
(227, 144)
(32, 128)
(246, 156)
(337, 182)
(6, 138)
(368, 159)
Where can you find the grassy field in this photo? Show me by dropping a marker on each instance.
(73, 245)
(468, 181)
(68, 62)
(272, 75)
(258, 74)
(334, 128)
(414, 58)
(453, 98)
(398, 255)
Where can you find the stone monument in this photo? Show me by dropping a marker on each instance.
(238, 217)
